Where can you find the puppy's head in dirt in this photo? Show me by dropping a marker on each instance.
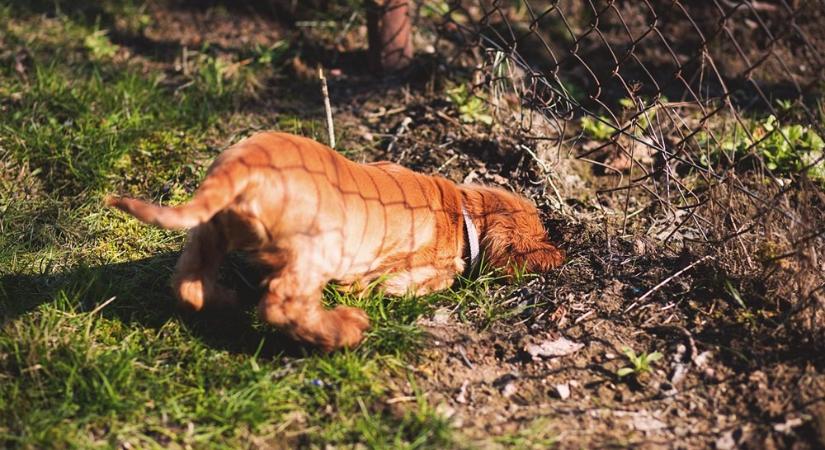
(512, 235)
(311, 216)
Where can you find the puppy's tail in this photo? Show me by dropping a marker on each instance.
(214, 194)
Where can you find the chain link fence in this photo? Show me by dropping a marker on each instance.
(701, 122)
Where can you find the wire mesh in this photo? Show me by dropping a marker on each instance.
(708, 115)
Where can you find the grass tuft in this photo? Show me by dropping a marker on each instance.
(92, 353)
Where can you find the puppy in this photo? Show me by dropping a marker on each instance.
(311, 216)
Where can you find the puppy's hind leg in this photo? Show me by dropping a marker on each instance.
(300, 314)
(195, 282)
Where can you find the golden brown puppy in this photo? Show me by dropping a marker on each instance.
(312, 216)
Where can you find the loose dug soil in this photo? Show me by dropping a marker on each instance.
(730, 377)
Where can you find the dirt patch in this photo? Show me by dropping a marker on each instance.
(720, 383)
(226, 26)
(730, 376)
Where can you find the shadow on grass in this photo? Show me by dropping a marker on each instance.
(142, 297)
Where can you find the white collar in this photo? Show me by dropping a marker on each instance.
(472, 239)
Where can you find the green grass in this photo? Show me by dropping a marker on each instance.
(537, 434)
(92, 352)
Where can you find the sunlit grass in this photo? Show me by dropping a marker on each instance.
(92, 351)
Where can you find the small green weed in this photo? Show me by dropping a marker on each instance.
(539, 434)
(223, 76)
(435, 9)
(734, 293)
(486, 298)
(784, 148)
(640, 364)
(601, 128)
(597, 128)
(273, 54)
(471, 107)
(99, 45)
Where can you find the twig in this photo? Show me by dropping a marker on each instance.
(448, 118)
(670, 278)
(327, 107)
(464, 358)
(403, 399)
(101, 306)
(402, 128)
(451, 159)
(385, 112)
(584, 316)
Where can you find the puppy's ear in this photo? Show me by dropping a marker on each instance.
(542, 258)
(513, 237)
(533, 254)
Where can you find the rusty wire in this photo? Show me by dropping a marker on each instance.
(696, 98)
(677, 81)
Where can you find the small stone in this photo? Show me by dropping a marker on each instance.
(726, 441)
(509, 389)
(667, 390)
(679, 374)
(506, 384)
(445, 411)
(462, 393)
(787, 426)
(556, 347)
(563, 391)
(702, 359)
(639, 247)
(644, 422)
(441, 316)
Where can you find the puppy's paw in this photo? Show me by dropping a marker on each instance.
(190, 294)
(351, 323)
